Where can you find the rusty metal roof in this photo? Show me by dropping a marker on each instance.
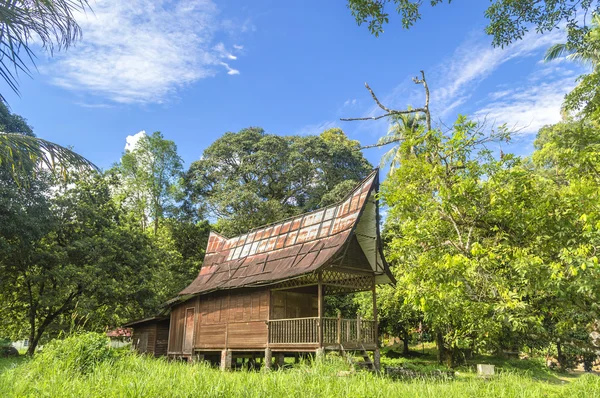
(289, 248)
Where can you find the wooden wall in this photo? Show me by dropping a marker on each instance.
(286, 305)
(144, 338)
(151, 338)
(162, 338)
(223, 320)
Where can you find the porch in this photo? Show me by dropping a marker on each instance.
(329, 333)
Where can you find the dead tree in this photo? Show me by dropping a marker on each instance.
(394, 112)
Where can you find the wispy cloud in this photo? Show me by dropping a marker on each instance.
(143, 51)
(528, 107)
(527, 101)
(317, 128)
(475, 60)
(230, 70)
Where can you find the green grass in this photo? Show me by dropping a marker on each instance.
(82, 366)
(135, 376)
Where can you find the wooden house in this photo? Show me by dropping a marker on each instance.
(262, 293)
(150, 335)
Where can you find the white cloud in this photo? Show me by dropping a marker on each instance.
(238, 47)
(132, 140)
(230, 70)
(350, 102)
(528, 107)
(474, 61)
(142, 51)
(317, 128)
(527, 102)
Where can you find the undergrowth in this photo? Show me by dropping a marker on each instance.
(83, 366)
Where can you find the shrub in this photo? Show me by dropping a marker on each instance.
(79, 353)
(7, 350)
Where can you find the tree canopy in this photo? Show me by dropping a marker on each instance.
(509, 20)
(251, 178)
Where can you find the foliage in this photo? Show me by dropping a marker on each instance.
(401, 126)
(13, 123)
(23, 154)
(250, 178)
(49, 23)
(493, 252)
(150, 174)
(509, 20)
(71, 252)
(76, 354)
(587, 53)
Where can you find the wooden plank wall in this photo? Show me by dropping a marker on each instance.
(286, 305)
(224, 320)
(147, 332)
(162, 338)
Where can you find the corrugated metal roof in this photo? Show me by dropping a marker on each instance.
(284, 250)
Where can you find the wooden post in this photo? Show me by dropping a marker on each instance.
(339, 328)
(268, 358)
(375, 324)
(280, 359)
(226, 359)
(320, 304)
(358, 328)
(376, 354)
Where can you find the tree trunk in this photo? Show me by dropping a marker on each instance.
(32, 344)
(439, 341)
(405, 350)
(560, 357)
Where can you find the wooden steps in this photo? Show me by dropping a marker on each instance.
(366, 363)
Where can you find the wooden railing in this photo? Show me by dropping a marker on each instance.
(294, 331)
(335, 331)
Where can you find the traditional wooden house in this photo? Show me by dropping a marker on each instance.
(262, 293)
(150, 335)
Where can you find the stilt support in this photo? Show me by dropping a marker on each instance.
(226, 359)
(280, 359)
(268, 358)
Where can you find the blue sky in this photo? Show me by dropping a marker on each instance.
(196, 69)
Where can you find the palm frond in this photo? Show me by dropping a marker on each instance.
(49, 22)
(556, 51)
(25, 154)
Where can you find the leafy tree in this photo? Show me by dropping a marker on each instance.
(13, 123)
(150, 175)
(587, 53)
(250, 178)
(65, 253)
(509, 20)
(24, 154)
(400, 127)
(584, 100)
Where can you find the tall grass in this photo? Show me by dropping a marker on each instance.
(137, 376)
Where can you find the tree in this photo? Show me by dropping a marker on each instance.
(401, 126)
(250, 178)
(68, 253)
(50, 23)
(587, 53)
(509, 20)
(22, 153)
(150, 175)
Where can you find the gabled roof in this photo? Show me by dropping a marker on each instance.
(295, 246)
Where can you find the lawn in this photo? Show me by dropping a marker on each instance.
(127, 375)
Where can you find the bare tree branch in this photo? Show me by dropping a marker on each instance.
(394, 112)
